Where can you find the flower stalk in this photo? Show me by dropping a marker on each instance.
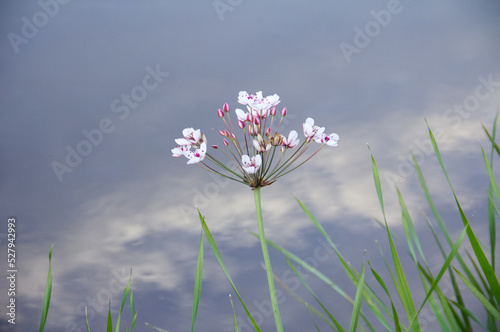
(267, 261)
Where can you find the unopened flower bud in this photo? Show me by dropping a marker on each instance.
(220, 113)
(222, 132)
(268, 131)
(225, 107)
(283, 149)
(241, 124)
(273, 111)
(226, 143)
(251, 130)
(215, 146)
(256, 120)
(283, 111)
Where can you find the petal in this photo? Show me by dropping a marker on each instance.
(182, 141)
(245, 160)
(187, 132)
(257, 160)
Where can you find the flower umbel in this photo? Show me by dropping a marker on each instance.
(258, 159)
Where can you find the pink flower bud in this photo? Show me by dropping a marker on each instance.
(231, 135)
(241, 124)
(283, 148)
(226, 143)
(222, 132)
(273, 111)
(256, 120)
(220, 113)
(225, 108)
(283, 111)
(214, 146)
(268, 131)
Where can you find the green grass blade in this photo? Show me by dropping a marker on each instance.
(124, 299)
(86, 320)
(316, 273)
(402, 284)
(308, 306)
(384, 287)
(493, 182)
(368, 292)
(492, 137)
(197, 282)
(447, 236)
(294, 270)
(47, 295)
(456, 289)
(234, 315)
(218, 256)
(491, 206)
(478, 251)
(358, 299)
(109, 327)
(443, 270)
(486, 303)
(132, 309)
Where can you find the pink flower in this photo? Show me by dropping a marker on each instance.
(252, 165)
(179, 151)
(191, 137)
(292, 140)
(311, 131)
(198, 155)
(242, 115)
(330, 140)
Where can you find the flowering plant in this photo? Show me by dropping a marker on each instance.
(258, 159)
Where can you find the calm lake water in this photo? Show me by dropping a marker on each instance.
(93, 94)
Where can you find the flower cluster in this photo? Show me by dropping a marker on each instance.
(258, 159)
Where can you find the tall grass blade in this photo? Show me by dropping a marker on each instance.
(443, 270)
(109, 327)
(218, 256)
(124, 299)
(47, 295)
(132, 309)
(368, 293)
(86, 320)
(384, 287)
(401, 285)
(234, 315)
(491, 205)
(334, 321)
(358, 299)
(197, 282)
(478, 251)
(486, 303)
(307, 305)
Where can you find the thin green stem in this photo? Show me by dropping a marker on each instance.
(267, 261)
